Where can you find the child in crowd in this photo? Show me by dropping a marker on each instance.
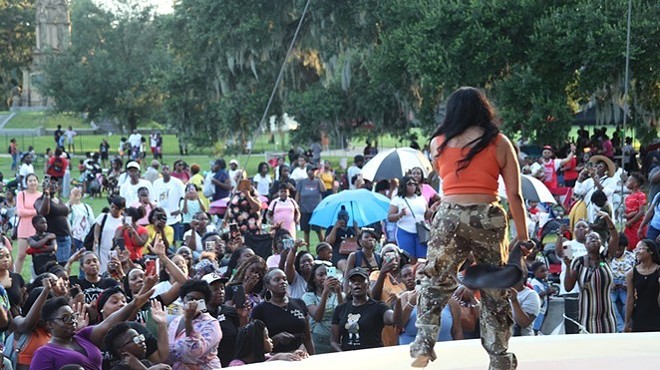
(634, 212)
(42, 245)
(540, 284)
(600, 225)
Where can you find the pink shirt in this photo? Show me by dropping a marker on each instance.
(26, 211)
(199, 351)
(428, 192)
(284, 212)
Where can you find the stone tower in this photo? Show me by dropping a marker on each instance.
(53, 34)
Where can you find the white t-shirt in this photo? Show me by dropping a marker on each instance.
(107, 234)
(416, 205)
(69, 135)
(352, 172)
(81, 219)
(531, 304)
(129, 191)
(25, 170)
(263, 183)
(135, 140)
(579, 250)
(198, 238)
(299, 174)
(168, 195)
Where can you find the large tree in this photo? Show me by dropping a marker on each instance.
(16, 43)
(113, 66)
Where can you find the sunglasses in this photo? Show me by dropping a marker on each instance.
(321, 262)
(411, 184)
(136, 339)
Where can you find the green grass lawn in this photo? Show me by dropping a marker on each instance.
(47, 120)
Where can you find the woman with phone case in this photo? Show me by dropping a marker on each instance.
(56, 212)
(593, 274)
(195, 335)
(131, 236)
(323, 296)
(297, 267)
(286, 318)
(249, 275)
(387, 285)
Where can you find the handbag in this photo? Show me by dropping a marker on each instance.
(14, 230)
(348, 246)
(422, 227)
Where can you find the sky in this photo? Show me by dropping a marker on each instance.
(162, 6)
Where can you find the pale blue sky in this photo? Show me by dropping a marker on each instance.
(162, 6)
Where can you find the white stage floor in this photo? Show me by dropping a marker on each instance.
(553, 352)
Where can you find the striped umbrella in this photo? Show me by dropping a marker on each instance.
(395, 163)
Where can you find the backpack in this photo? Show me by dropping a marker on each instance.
(88, 243)
(13, 346)
(56, 169)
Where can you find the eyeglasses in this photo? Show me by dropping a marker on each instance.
(136, 339)
(68, 319)
(321, 262)
(411, 183)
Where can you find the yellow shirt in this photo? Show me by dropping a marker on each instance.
(328, 180)
(169, 235)
(198, 180)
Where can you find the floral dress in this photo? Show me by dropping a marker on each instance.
(635, 202)
(199, 350)
(241, 213)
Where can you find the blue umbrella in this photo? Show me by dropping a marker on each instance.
(362, 205)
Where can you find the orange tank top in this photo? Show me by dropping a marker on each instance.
(479, 177)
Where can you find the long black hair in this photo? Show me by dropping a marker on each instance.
(467, 107)
(250, 341)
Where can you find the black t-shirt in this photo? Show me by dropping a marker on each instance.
(229, 324)
(58, 223)
(15, 291)
(291, 319)
(151, 341)
(360, 326)
(92, 290)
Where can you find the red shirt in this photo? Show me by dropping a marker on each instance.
(136, 251)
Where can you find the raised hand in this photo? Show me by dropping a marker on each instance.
(158, 313)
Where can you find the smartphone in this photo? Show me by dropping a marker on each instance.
(389, 257)
(121, 243)
(332, 271)
(244, 185)
(201, 305)
(152, 267)
(238, 295)
(113, 254)
(233, 230)
(568, 251)
(209, 245)
(287, 244)
(128, 220)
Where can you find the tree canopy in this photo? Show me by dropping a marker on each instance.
(359, 67)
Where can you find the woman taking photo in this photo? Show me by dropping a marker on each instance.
(406, 209)
(469, 153)
(249, 276)
(286, 318)
(359, 322)
(363, 257)
(195, 335)
(56, 214)
(25, 210)
(298, 269)
(387, 285)
(593, 274)
(322, 297)
(643, 282)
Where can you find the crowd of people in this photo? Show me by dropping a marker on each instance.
(188, 269)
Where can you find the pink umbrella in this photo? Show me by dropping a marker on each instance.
(219, 206)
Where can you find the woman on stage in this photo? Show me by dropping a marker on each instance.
(469, 154)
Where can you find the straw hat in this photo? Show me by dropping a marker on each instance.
(611, 169)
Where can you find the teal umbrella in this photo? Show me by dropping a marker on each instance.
(363, 206)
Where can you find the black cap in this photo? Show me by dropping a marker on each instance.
(358, 271)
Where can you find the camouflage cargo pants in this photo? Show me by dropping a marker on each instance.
(458, 230)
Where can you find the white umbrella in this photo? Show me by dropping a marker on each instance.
(395, 163)
(532, 189)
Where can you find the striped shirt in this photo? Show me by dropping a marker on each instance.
(596, 310)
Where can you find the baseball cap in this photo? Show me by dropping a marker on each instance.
(133, 164)
(213, 277)
(358, 271)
